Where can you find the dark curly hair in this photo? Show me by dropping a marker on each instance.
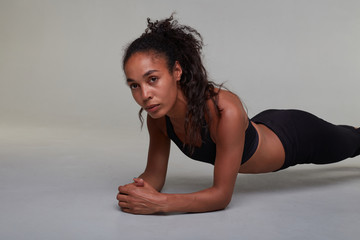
(183, 44)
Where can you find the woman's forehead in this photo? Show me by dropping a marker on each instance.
(149, 57)
(142, 62)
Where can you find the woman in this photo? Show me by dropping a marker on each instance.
(167, 79)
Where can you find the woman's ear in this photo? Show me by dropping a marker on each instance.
(177, 71)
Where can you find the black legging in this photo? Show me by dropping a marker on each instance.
(309, 139)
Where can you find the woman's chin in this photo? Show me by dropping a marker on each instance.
(156, 115)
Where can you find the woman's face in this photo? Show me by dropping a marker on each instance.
(153, 87)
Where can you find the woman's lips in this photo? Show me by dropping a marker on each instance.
(152, 108)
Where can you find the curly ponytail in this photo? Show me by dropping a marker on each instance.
(183, 44)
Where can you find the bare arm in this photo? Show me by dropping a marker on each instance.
(230, 139)
(153, 178)
(158, 156)
(230, 134)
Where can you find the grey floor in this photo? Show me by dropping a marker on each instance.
(60, 183)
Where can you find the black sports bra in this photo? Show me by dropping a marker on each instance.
(207, 151)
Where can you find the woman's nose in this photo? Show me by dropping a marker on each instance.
(146, 93)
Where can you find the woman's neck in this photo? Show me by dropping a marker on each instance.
(178, 113)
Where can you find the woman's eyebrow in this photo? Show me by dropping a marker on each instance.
(129, 80)
(149, 72)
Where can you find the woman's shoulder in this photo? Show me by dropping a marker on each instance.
(230, 104)
(232, 112)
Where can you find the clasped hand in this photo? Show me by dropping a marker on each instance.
(140, 197)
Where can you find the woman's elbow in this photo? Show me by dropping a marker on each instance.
(223, 201)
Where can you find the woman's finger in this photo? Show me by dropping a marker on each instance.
(123, 187)
(139, 182)
(124, 190)
(122, 197)
(127, 210)
(124, 204)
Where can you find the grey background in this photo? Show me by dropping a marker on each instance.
(69, 133)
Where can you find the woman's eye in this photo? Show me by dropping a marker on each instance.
(133, 86)
(153, 79)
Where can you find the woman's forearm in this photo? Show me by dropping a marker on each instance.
(142, 198)
(207, 200)
(155, 182)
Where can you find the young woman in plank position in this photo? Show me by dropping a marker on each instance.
(167, 79)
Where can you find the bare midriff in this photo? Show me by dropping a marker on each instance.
(269, 155)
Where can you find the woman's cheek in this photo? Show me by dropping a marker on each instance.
(136, 98)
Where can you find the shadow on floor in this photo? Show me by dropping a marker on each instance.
(289, 179)
(298, 178)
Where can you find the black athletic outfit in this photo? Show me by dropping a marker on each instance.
(305, 138)
(309, 139)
